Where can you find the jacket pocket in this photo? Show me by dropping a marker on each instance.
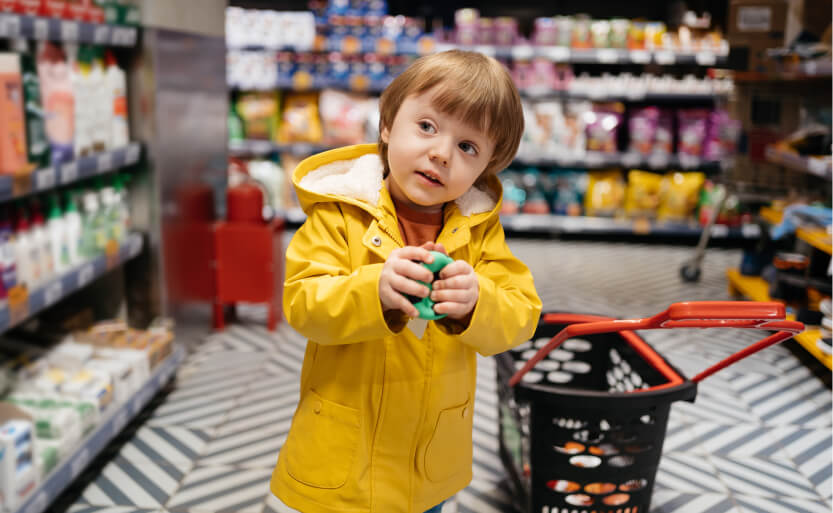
(322, 442)
(449, 452)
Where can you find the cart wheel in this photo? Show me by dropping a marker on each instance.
(690, 273)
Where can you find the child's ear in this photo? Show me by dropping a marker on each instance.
(384, 135)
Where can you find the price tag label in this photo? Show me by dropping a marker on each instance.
(641, 226)
(82, 458)
(86, 275)
(665, 57)
(18, 298)
(658, 161)
(640, 56)
(631, 159)
(594, 159)
(522, 52)
(69, 172)
(557, 53)
(750, 231)
(54, 291)
(133, 153)
(105, 162)
(486, 50)
(69, 30)
(10, 26)
(719, 231)
(135, 245)
(122, 36)
(119, 421)
(101, 34)
(111, 251)
(41, 28)
(45, 178)
(607, 56)
(38, 504)
(705, 58)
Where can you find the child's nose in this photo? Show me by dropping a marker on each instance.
(439, 155)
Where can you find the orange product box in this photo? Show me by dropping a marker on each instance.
(95, 14)
(77, 9)
(12, 121)
(8, 5)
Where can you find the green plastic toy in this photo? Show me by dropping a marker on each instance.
(424, 305)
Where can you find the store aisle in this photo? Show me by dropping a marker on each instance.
(757, 439)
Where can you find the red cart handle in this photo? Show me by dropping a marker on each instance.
(697, 314)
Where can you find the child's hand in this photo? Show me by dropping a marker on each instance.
(398, 277)
(457, 290)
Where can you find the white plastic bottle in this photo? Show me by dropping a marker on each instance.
(43, 243)
(56, 226)
(72, 222)
(26, 253)
(116, 83)
(101, 104)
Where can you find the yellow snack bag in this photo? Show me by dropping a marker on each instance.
(300, 121)
(642, 198)
(679, 194)
(605, 193)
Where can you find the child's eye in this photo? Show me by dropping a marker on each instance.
(468, 148)
(426, 127)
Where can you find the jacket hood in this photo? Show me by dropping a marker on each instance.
(353, 174)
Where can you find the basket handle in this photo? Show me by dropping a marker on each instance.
(695, 314)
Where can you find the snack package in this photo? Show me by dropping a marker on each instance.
(679, 194)
(514, 196)
(569, 192)
(575, 139)
(300, 122)
(605, 193)
(536, 201)
(259, 113)
(548, 129)
(289, 162)
(642, 127)
(692, 131)
(664, 134)
(603, 127)
(722, 135)
(642, 198)
(343, 116)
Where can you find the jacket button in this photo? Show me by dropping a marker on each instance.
(376, 241)
(317, 408)
(454, 230)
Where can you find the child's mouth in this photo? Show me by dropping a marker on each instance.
(429, 177)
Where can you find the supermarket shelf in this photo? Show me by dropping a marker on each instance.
(581, 225)
(45, 179)
(609, 56)
(62, 286)
(630, 96)
(591, 160)
(817, 237)
(756, 289)
(119, 416)
(578, 225)
(54, 29)
(818, 167)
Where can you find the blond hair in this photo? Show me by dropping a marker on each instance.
(473, 87)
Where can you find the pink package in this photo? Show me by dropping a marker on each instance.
(692, 131)
(603, 127)
(664, 133)
(721, 135)
(642, 126)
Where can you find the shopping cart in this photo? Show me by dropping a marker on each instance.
(583, 407)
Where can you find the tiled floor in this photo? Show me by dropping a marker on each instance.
(757, 439)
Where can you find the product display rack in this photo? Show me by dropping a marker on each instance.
(111, 425)
(59, 287)
(817, 167)
(755, 288)
(48, 178)
(54, 29)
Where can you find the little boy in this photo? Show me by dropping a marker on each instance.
(384, 422)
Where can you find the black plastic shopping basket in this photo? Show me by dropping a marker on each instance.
(584, 405)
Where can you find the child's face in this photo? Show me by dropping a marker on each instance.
(433, 157)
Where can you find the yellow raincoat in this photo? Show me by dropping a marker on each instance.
(384, 423)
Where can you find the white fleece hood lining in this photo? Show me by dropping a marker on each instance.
(361, 179)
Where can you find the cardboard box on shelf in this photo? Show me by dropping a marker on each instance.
(757, 19)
